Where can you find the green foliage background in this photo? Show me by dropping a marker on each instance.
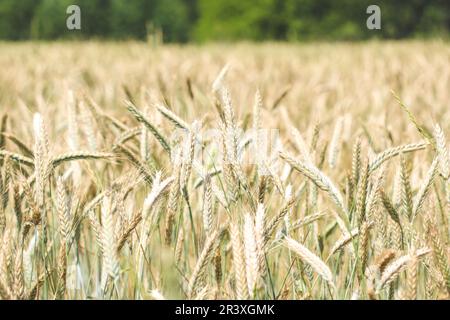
(224, 20)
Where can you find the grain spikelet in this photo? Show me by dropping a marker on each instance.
(356, 161)
(363, 245)
(260, 226)
(251, 257)
(19, 143)
(238, 263)
(158, 188)
(317, 177)
(40, 158)
(179, 246)
(311, 259)
(126, 233)
(18, 277)
(63, 210)
(301, 145)
(307, 220)
(171, 116)
(110, 260)
(411, 277)
(218, 82)
(127, 136)
(406, 194)
(3, 128)
(333, 150)
(361, 194)
(392, 152)
(188, 156)
(6, 184)
(172, 205)
(383, 260)
(218, 267)
(390, 209)
(207, 206)
(273, 223)
(441, 146)
(20, 159)
(62, 271)
(375, 194)
(439, 253)
(143, 119)
(138, 164)
(425, 188)
(208, 249)
(262, 188)
(343, 241)
(392, 271)
(79, 155)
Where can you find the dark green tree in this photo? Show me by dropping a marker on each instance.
(49, 20)
(172, 17)
(15, 18)
(128, 18)
(203, 20)
(232, 19)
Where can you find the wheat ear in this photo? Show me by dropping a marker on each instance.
(317, 177)
(144, 120)
(425, 188)
(63, 210)
(406, 193)
(392, 152)
(208, 206)
(251, 254)
(205, 256)
(108, 240)
(441, 146)
(238, 262)
(172, 117)
(333, 150)
(311, 259)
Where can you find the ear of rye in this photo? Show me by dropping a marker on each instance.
(310, 258)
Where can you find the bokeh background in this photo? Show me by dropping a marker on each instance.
(224, 20)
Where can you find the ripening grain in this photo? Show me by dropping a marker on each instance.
(270, 171)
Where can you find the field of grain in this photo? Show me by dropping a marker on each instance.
(248, 171)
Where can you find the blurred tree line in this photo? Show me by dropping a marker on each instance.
(203, 20)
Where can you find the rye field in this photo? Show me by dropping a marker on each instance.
(226, 171)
